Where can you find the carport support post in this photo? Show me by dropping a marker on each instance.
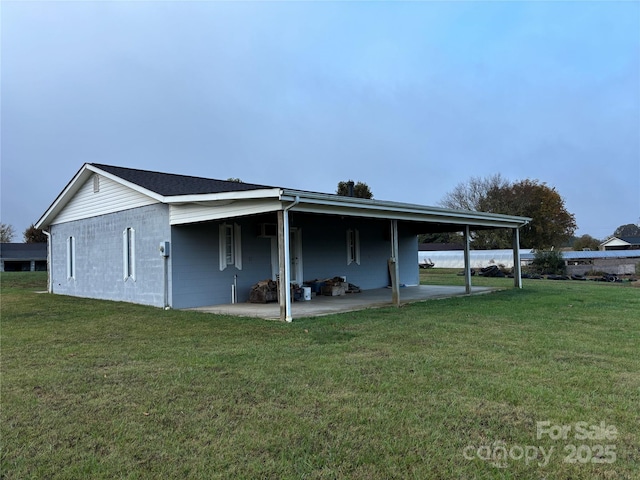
(393, 265)
(517, 274)
(467, 260)
(284, 291)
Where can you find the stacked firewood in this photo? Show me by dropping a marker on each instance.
(264, 291)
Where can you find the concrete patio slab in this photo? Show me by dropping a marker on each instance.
(321, 305)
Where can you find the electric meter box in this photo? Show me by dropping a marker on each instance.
(165, 248)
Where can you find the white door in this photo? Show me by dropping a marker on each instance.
(295, 256)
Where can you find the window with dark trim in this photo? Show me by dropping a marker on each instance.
(353, 246)
(71, 258)
(129, 254)
(230, 246)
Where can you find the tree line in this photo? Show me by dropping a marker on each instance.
(551, 225)
(30, 235)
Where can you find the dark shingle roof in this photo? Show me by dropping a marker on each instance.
(168, 184)
(25, 251)
(631, 240)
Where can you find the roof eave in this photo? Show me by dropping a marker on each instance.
(402, 211)
(223, 196)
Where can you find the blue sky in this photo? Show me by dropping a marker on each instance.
(411, 98)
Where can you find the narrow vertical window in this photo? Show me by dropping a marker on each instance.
(353, 246)
(237, 246)
(230, 246)
(71, 258)
(129, 253)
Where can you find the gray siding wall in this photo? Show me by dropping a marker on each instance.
(197, 279)
(194, 272)
(408, 253)
(324, 250)
(99, 256)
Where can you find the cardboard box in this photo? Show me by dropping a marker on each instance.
(332, 291)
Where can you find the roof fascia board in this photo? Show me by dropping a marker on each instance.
(323, 203)
(69, 190)
(409, 216)
(223, 196)
(181, 214)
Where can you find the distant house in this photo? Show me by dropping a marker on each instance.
(180, 241)
(621, 243)
(23, 257)
(618, 262)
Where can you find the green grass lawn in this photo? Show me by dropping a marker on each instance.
(96, 389)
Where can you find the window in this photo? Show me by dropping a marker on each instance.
(71, 258)
(129, 254)
(230, 242)
(353, 246)
(228, 245)
(268, 230)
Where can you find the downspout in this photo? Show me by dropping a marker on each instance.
(287, 259)
(49, 283)
(165, 281)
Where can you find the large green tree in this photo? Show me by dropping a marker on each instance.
(628, 230)
(360, 189)
(551, 223)
(586, 242)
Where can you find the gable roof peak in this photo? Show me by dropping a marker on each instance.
(171, 184)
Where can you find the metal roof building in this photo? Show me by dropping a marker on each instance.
(478, 258)
(23, 257)
(620, 262)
